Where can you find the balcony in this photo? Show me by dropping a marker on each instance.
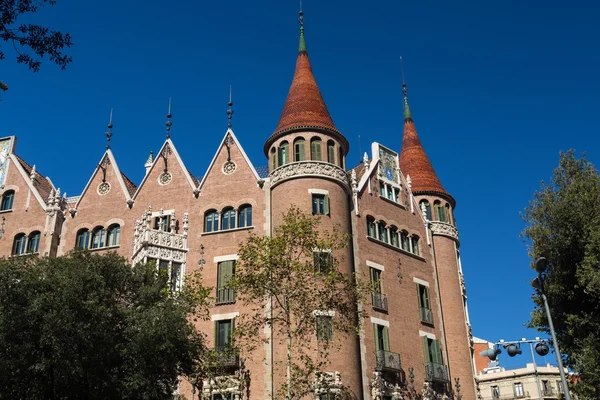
(426, 316)
(546, 391)
(225, 296)
(379, 301)
(227, 357)
(388, 361)
(436, 372)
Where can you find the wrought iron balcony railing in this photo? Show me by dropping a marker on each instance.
(389, 361)
(227, 357)
(379, 301)
(547, 391)
(426, 315)
(436, 372)
(225, 296)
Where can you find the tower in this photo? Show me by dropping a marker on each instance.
(306, 156)
(437, 206)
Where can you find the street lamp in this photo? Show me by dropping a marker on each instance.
(541, 264)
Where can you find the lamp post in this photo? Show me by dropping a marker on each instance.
(541, 264)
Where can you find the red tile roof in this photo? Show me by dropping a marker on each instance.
(43, 186)
(131, 187)
(415, 163)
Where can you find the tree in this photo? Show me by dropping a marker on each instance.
(27, 38)
(91, 327)
(563, 224)
(291, 282)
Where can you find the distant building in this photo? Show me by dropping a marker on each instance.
(495, 382)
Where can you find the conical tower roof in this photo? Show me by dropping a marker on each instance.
(304, 108)
(414, 161)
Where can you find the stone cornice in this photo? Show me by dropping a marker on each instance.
(309, 168)
(444, 229)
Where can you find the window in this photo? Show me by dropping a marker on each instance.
(98, 236)
(320, 204)
(424, 304)
(559, 387)
(427, 208)
(415, 245)
(394, 236)
(382, 342)
(382, 188)
(273, 158)
(225, 270)
(228, 219)
(323, 261)
(371, 227)
(324, 327)
(299, 150)
(495, 392)
(431, 350)
(19, 246)
(283, 154)
(7, 200)
(114, 232)
(245, 218)
(341, 157)
(448, 219)
(223, 333)
(331, 152)
(375, 280)
(83, 239)
(211, 221)
(33, 243)
(383, 235)
(378, 300)
(518, 388)
(175, 276)
(315, 149)
(163, 223)
(440, 211)
(404, 241)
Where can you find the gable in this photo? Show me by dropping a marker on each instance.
(40, 187)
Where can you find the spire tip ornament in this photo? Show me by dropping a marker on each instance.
(169, 123)
(109, 132)
(230, 109)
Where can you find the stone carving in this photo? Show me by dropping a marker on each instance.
(444, 229)
(463, 287)
(103, 188)
(229, 167)
(309, 168)
(354, 182)
(381, 388)
(165, 178)
(328, 382)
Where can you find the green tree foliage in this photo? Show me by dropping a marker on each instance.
(91, 327)
(563, 224)
(277, 279)
(31, 42)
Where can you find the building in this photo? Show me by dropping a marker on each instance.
(399, 216)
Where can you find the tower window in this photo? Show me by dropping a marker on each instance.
(320, 204)
(7, 200)
(315, 149)
(299, 150)
(331, 152)
(440, 211)
(427, 208)
(283, 154)
(273, 158)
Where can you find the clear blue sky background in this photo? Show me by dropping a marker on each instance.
(496, 89)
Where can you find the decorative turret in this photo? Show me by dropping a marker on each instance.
(149, 161)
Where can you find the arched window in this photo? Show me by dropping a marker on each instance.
(19, 246)
(439, 211)
(211, 221)
(299, 150)
(404, 241)
(228, 218)
(273, 158)
(341, 157)
(427, 208)
(7, 200)
(331, 152)
(448, 214)
(383, 235)
(283, 154)
(315, 149)
(83, 239)
(415, 244)
(33, 243)
(245, 216)
(114, 232)
(371, 227)
(98, 237)
(394, 236)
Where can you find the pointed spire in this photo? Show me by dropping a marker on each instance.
(407, 115)
(149, 161)
(169, 123)
(414, 163)
(304, 107)
(302, 46)
(230, 109)
(109, 132)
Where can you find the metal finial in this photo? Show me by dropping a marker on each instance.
(230, 109)
(169, 123)
(301, 16)
(109, 133)
(404, 89)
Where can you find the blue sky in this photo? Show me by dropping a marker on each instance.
(496, 90)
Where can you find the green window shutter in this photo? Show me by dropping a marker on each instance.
(375, 327)
(426, 303)
(419, 295)
(437, 352)
(331, 154)
(302, 151)
(216, 334)
(326, 205)
(426, 349)
(386, 339)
